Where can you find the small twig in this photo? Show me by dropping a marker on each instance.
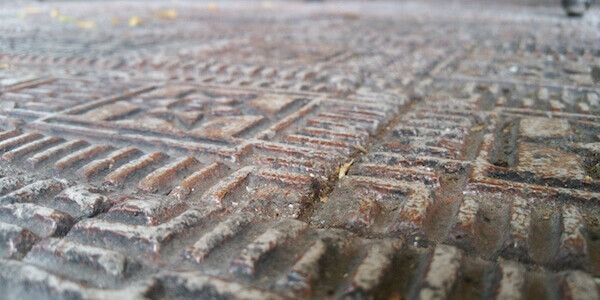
(344, 169)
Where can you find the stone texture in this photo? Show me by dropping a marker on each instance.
(275, 150)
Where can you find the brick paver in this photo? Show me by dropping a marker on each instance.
(272, 150)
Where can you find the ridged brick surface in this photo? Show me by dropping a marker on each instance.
(276, 150)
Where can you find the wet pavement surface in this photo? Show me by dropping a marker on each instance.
(273, 150)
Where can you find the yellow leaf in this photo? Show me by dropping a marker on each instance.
(66, 19)
(86, 24)
(54, 13)
(32, 10)
(135, 21)
(167, 14)
(212, 6)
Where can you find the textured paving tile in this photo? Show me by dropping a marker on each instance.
(267, 150)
